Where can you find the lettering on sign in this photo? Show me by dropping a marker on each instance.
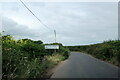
(51, 46)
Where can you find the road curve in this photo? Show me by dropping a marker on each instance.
(81, 65)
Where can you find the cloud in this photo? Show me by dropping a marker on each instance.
(13, 28)
(75, 23)
(22, 31)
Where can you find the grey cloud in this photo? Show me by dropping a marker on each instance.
(75, 23)
(13, 28)
(22, 31)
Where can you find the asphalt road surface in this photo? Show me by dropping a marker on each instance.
(81, 65)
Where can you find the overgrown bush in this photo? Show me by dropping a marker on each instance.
(26, 58)
(64, 51)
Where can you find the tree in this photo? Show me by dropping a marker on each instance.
(25, 41)
(7, 37)
(38, 42)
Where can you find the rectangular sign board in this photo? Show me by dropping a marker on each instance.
(51, 46)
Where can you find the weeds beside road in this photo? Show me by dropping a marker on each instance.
(26, 58)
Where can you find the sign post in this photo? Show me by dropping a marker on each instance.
(52, 47)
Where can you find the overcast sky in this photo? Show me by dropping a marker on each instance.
(76, 23)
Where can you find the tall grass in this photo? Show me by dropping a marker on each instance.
(26, 58)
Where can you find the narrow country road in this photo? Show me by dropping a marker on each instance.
(81, 65)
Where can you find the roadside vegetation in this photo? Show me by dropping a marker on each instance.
(108, 51)
(26, 58)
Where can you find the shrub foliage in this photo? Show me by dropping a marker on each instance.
(26, 58)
